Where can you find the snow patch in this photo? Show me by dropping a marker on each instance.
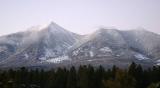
(75, 53)
(3, 48)
(49, 53)
(26, 55)
(141, 57)
(118, 55)
(42, 58)
(158, 62)
(58, 59)
(91, 53)
(92, 60)
(89, 60)
(106, 49)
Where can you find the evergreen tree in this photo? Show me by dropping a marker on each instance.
(121, 80)
(100, 72)
(154, 85)
(72, 78)
(92, 81)
(84, 77)
(132, 69)
(83, 80)
(50, 79)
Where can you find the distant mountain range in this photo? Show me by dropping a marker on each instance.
(53, 46)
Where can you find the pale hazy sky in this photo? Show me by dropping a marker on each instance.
(80, 16)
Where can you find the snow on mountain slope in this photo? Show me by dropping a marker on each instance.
(143, 41)
(50, 42)
(56, 40)
(106, 49)
(100, 43)
(114, 45)
(158, 62)
(58, 59)
(55, 45)
(141, 57)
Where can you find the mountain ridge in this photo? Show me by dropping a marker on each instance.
(54, 45)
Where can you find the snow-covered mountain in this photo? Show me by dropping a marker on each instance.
(54, 46)
(31, 47)
(113, 47)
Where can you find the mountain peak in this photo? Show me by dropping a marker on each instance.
(54, 28)
(104, 31)
(52, 23)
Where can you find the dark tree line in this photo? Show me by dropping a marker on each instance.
(83, 77)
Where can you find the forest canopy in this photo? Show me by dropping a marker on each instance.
(83, 77)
